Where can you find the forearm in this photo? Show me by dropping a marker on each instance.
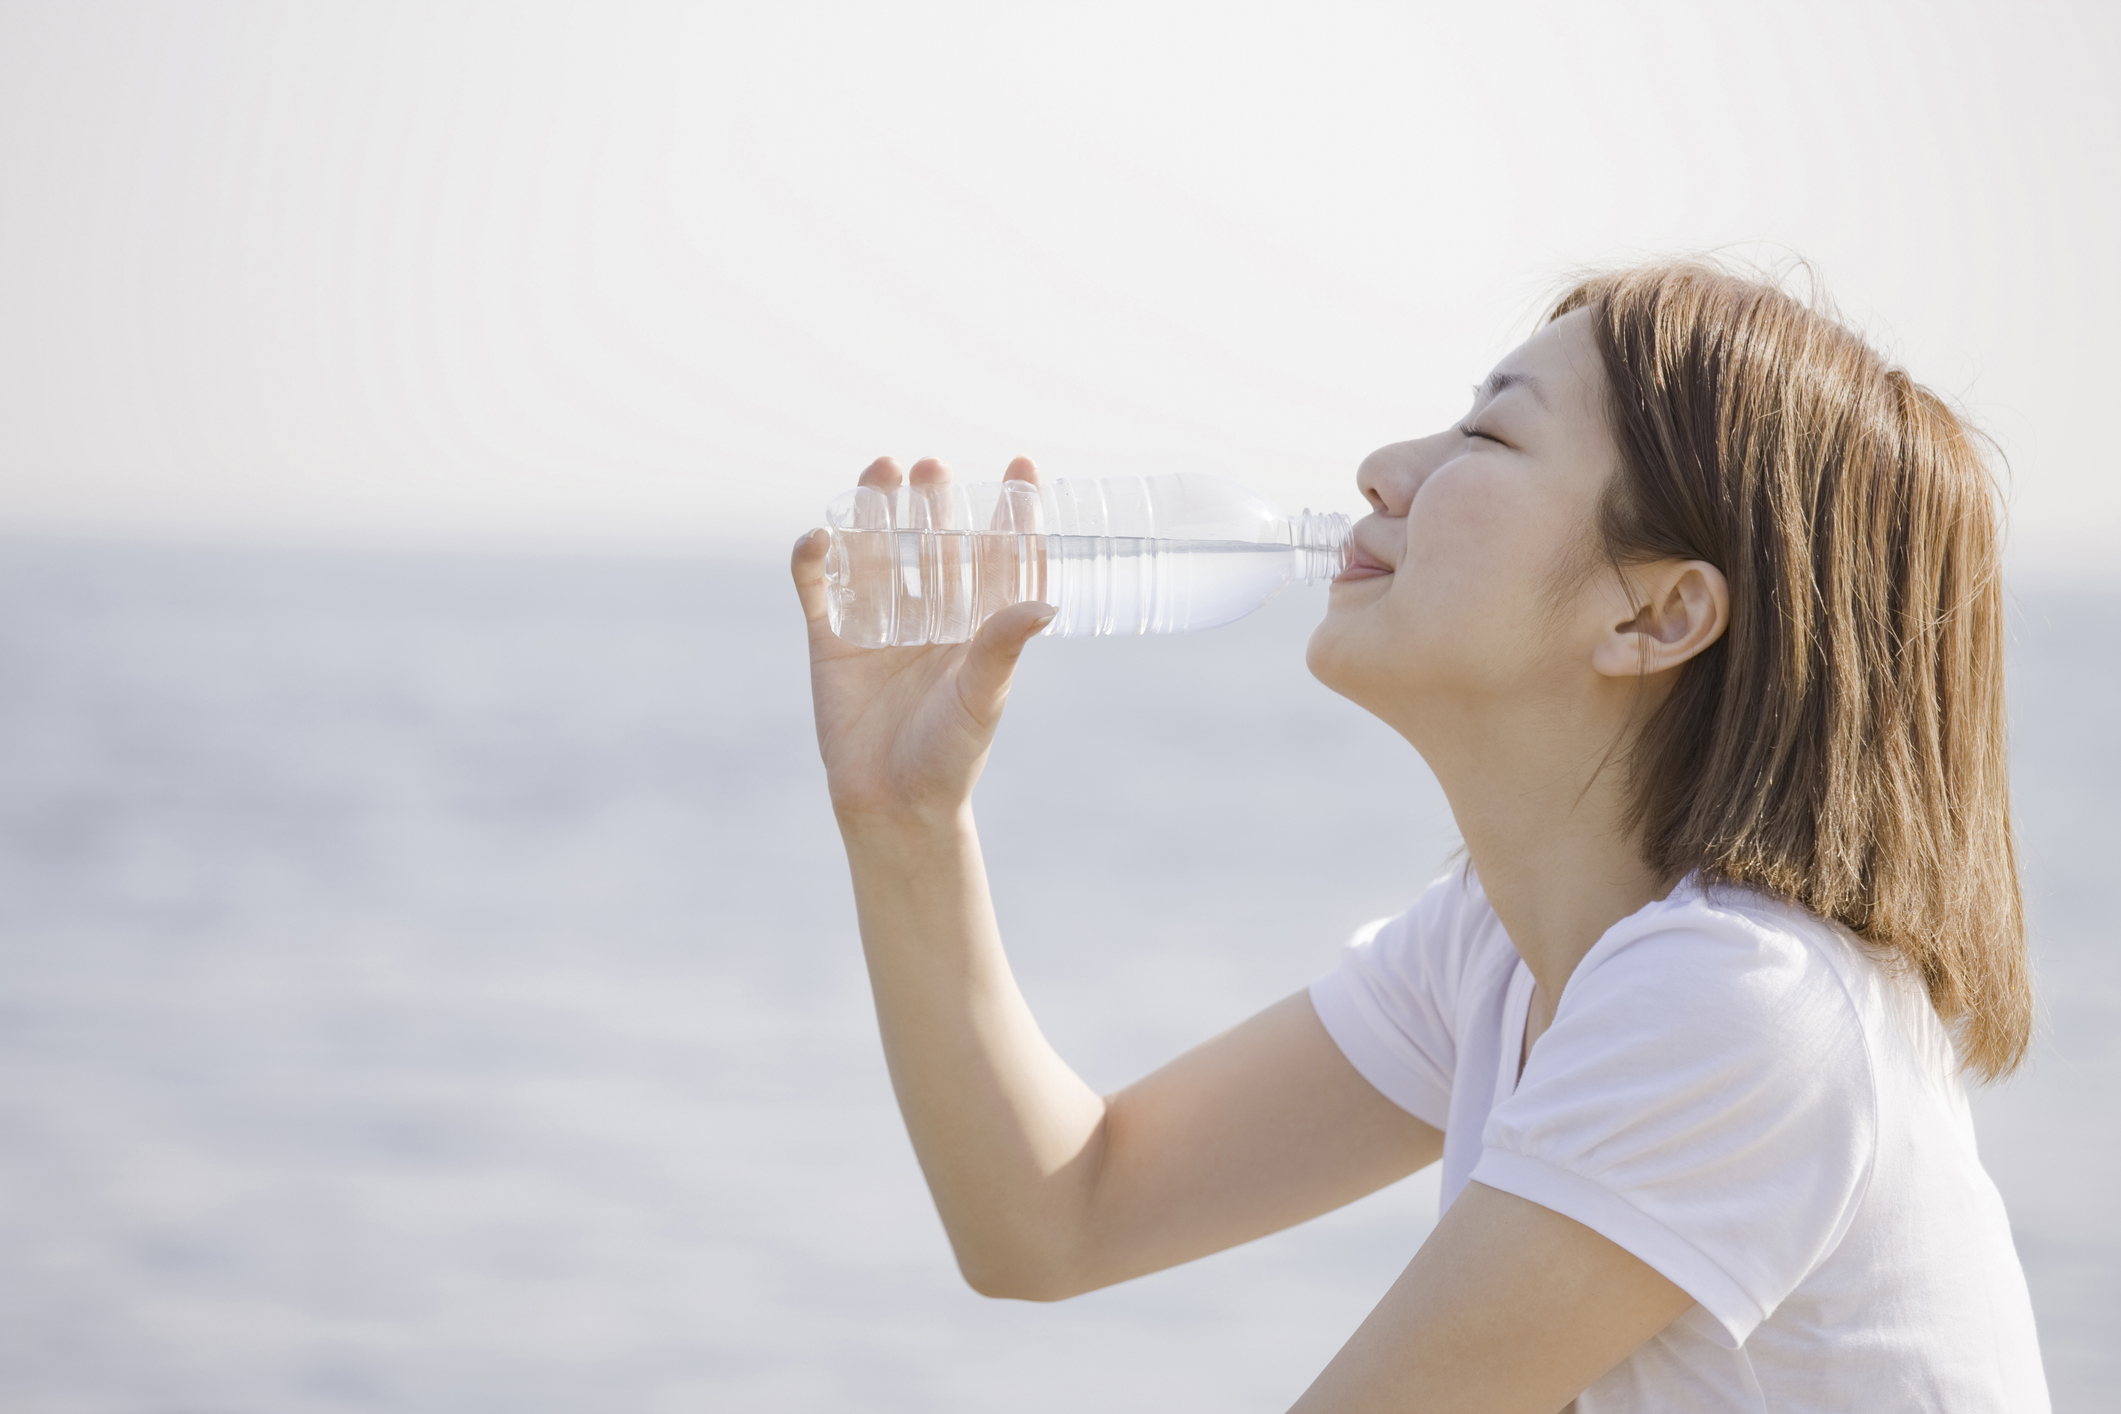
(1008, 1137)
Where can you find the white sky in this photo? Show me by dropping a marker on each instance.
(609, 275)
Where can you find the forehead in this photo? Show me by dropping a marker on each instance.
(1557, 369)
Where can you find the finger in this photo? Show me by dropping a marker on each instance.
(807, 564)
(883, 473)
(929, 472)
(1024, 470)
(983, 684)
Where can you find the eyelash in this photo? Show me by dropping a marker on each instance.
(1469, 433)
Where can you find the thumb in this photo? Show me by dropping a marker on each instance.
(983, 682)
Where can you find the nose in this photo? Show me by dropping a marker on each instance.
(1389, 476)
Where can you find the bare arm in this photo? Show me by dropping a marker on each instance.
(1508, 1308)
(1045, 1188)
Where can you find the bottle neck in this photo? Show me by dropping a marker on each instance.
(1321, 540)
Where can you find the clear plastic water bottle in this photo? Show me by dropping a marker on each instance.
(1133, 554)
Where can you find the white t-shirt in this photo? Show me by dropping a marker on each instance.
(1736, 1093)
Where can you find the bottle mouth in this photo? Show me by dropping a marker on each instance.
(1322, 539)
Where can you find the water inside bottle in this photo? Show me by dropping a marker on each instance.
(939, 586)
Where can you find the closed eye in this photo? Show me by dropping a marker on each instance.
(1472, 432)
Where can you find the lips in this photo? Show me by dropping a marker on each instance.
(1361, 565)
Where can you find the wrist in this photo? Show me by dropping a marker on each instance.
(906, 829)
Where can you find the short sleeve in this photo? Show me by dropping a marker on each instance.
(1705, 1099)
(1391, 1004)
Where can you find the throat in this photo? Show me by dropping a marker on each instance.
(1538, 1016)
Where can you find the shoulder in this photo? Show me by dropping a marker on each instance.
(1706, 1097)
(1397, 1003)
(1730, 962)
(1435, 947)
(1717, 1018)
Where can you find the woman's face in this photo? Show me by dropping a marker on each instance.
(1449, 600)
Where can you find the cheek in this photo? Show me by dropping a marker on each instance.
(1456, 538)
(1484, 542)
(1473, 608)
(1458, 497)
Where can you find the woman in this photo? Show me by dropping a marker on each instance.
(1697, 620)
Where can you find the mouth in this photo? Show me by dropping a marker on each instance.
(1361, 565)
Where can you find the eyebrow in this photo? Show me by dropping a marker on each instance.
(1498, 382)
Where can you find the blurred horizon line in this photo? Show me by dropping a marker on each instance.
(2041, 565)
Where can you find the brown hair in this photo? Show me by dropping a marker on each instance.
(1843, 745)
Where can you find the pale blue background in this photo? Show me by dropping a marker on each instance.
(428, 984)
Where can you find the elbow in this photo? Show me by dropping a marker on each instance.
(1047, 1246)
(1002, 1279)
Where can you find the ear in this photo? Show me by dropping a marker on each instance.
(1679, 607)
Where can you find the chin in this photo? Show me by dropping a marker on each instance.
(1387, 679)
(1329, 657)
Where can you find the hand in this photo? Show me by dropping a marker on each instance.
(905, 731)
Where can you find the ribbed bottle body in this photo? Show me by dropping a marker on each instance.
(1127, 555)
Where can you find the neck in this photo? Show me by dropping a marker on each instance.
(1542, 808)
